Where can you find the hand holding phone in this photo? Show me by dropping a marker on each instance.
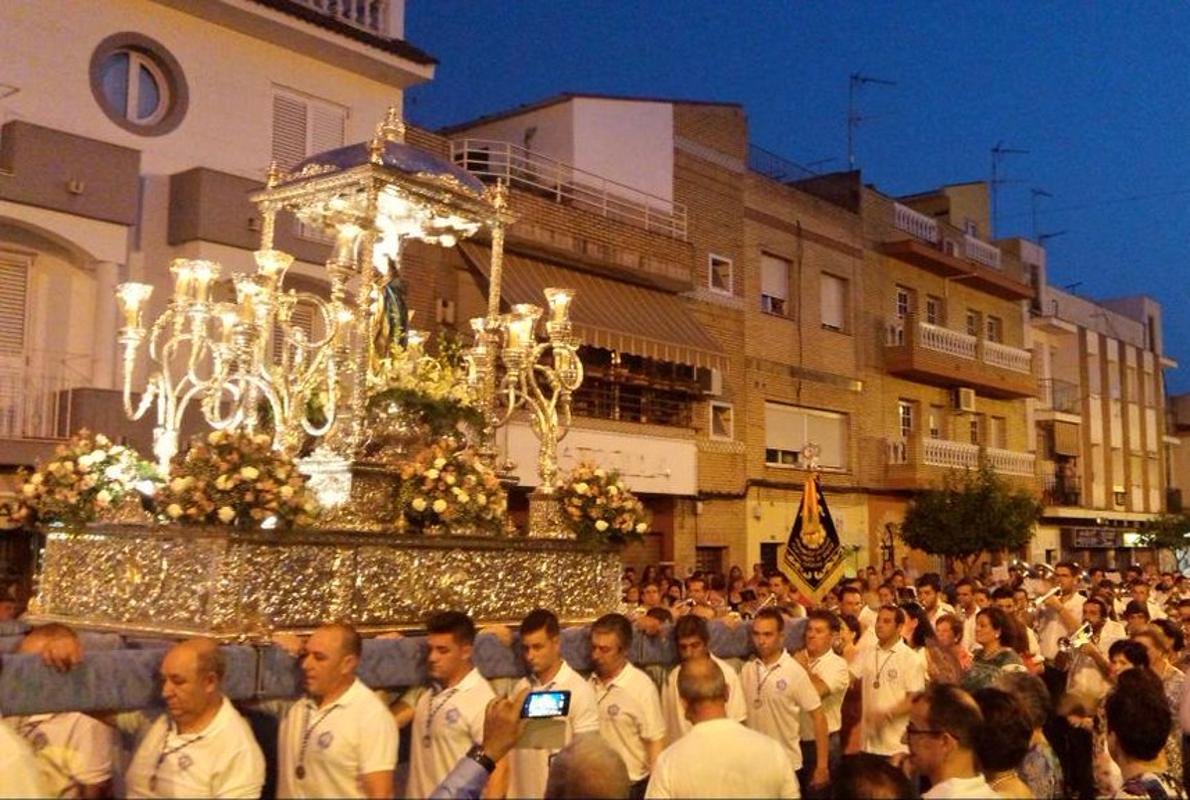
(546, 704)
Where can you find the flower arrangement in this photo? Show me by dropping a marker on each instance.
(597, 504)
(431, 387)
(446, 484)
(236, 478)
(88, 475)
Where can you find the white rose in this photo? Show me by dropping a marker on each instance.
(223, 483)
(600, 473)
(174, 510)
(177, 485)
(226, 514)
(449, 478)
(641, 527)
(432, 474)
(250, 473)
(29, 489)
(601, 525)
(613, 491)
(439, 463)
(36, 479)
(287, 492)
(581, 488)
(103, 499)
(68, 465)
(114, 472)
(419, 504)
(482, 499)
(464, 497)
(102, 440)
(439, 506)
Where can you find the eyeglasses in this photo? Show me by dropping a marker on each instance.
(911, 730)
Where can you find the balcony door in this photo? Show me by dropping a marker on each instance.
(14, 336)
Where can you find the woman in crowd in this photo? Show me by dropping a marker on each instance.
(1040, 769)
(1002, 741)
(994, 633)
(850, 732)
(1172, 681)
(948, 660)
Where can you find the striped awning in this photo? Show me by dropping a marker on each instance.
(607, 313)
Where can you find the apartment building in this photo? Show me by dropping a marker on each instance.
(132, 134)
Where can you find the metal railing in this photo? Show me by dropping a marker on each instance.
(944, 340)
(568, 185)
(981, 252)
(367, 15)
(35, 404)
(915, 223)
(779, 168)
(607, 400)
(1013, 358)
(1060, 395)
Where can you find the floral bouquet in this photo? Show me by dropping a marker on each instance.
(236, 478)
(597, 504)
(449, 485)
(88, 475)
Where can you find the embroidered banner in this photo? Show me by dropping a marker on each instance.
(813, 558)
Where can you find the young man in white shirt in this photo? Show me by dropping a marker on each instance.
(630, 718)
(339, 740)
(831, 678)
(940, 736)
(541, 647)
(719, 757)
(448, 720)
(929, 594)
(1090, 672)
(74, 751)
(890, 673)
(201, 747)
(778, 691)
(964, 591)
(691, 639)
(1059, 617)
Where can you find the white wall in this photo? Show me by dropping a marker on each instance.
(627, 141)
(553, 138)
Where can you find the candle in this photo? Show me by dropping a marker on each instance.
(228, 315)
(203, 273)
(414, 342)
(272, 264)
(183, 278)
(559, 301)
(247, 293)
(131, 297)
(520, 325)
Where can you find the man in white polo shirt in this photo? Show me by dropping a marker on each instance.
(201, 747)
(74, 751)
(629, 708)
(719, 757)
(448, 719)
(778, 690)
(541, 646)
(890, 674)
(339, 740)
(18, 765)
(692, 638)
(831, 678)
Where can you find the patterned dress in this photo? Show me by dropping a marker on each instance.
(1173, 679)
(1152, 786)
(1041, 771)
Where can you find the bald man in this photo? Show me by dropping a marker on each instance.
(719, 757)
(201, 747)
(339, 740)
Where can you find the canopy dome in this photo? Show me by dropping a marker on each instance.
(412, 161)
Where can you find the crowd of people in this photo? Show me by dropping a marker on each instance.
(1044, 683)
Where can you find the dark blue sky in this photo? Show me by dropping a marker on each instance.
(1098, 93)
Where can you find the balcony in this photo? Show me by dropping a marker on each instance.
(568, 185)
(1063, 397)
(944, 357)
(365, 15)
(1060, 484)
(917, 462)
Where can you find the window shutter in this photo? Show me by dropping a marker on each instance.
(774, 277)
(833, 292)
(784, 427)
(326, 128)
(830, 434)
(289, 130)
(14, 291)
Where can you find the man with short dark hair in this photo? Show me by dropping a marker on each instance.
(831, 677)
(964, 590)
(339, 740)
(929, 594)
(541, 648)
(448, 719)
(201, 747)
(943, 722)
(1089, 672)
(890, 673)
(630, 719)
(1135, 616)
(691, 640)
(1138, 724)
(650, 595)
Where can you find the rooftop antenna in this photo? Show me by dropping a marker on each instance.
(1041, 238)
(854, 118)
(998, 153)
(1035, 194)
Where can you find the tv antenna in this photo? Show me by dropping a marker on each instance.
(1036, 193)
(1043, 237)
(998, 154)
(854, 118)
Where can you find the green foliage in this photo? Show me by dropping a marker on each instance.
(1169, 532)
(975, 511)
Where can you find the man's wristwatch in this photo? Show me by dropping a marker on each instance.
(477, 755)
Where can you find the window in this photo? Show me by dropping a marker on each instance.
(997, 432)
(937, 415)
(722, 421)
(995, 329)
(975, 429)
(719, 274)
(1132, 382)
(788, 429)
(774, 285)
(904, 302)
(138, 84)
(709, 560)
(972, 322)
(303, 126)
(905, 418)
(969, 227)
(14, 294)
(934, 310)
(833, 291)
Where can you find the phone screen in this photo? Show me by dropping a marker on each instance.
(544, 705)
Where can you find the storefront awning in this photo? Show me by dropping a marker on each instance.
(608, 313)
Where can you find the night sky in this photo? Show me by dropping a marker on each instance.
(1098, 93)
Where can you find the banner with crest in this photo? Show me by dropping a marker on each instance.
(813, 558)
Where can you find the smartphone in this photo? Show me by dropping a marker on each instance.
(546, 705)
(748, 595)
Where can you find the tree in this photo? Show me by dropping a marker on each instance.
(1171, 532)
(974, 511)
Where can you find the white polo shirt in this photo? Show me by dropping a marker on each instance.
(73, 750)
(629, 714)
(1084, 675)
(888, 676)
(336, 745)
(940, 609)
(676, 724)
(867, 617)
(222, 760)
(18, 766)
(722, 758)
(832, 670)
(446, 722)
(528, 769)
(969, 629)
(777, 696)
(1051, 626)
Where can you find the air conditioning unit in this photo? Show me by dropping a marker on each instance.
(963, 400)
(710, 381)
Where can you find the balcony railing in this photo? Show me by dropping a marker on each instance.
(568, 185)
(1060, 395)
(952, 455)
(928, 229)
(35, 403)
(1014, 358)
(944, 340)
(959, 455)
(1060, 488)
(367, 15)
(981, 252)
(1010, 462)
(916, 223)
(961, 345)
